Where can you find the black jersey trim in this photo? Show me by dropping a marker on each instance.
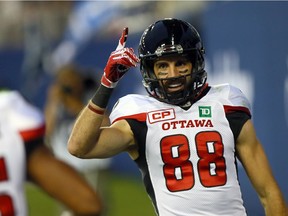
(236, 121)
(139, 129)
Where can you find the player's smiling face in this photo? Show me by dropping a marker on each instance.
(167, 68)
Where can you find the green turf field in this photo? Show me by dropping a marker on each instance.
(126, 195)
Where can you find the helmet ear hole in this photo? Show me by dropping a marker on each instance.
(170, 37)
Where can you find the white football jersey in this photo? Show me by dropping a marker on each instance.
(19, 122)
(187, 157)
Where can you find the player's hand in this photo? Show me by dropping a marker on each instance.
(119, 62)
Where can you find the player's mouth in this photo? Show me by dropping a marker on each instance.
(173, 87)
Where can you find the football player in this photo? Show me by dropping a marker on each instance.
(185, 135)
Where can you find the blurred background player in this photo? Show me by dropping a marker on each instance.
(24, 156)
(68, 93)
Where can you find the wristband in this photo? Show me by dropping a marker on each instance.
(102, 96)
(99, 112)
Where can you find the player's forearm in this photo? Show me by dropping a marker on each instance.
(278, 209)
(86, 131)
(274, 203)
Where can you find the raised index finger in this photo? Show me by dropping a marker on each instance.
(122, 40)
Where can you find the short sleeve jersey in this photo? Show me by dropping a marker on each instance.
(187, 157)
(19, 122)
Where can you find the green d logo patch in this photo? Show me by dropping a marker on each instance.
(205, 111)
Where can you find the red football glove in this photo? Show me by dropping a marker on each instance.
(119, 62)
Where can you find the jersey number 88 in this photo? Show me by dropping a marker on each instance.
(178, 169)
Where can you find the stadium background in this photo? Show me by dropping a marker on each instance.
(246, 45)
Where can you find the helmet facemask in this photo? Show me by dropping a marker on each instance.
(158, 88)
(172, 37)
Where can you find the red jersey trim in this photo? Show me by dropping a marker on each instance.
(229, 109)
(34, 133)
(139, 117)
